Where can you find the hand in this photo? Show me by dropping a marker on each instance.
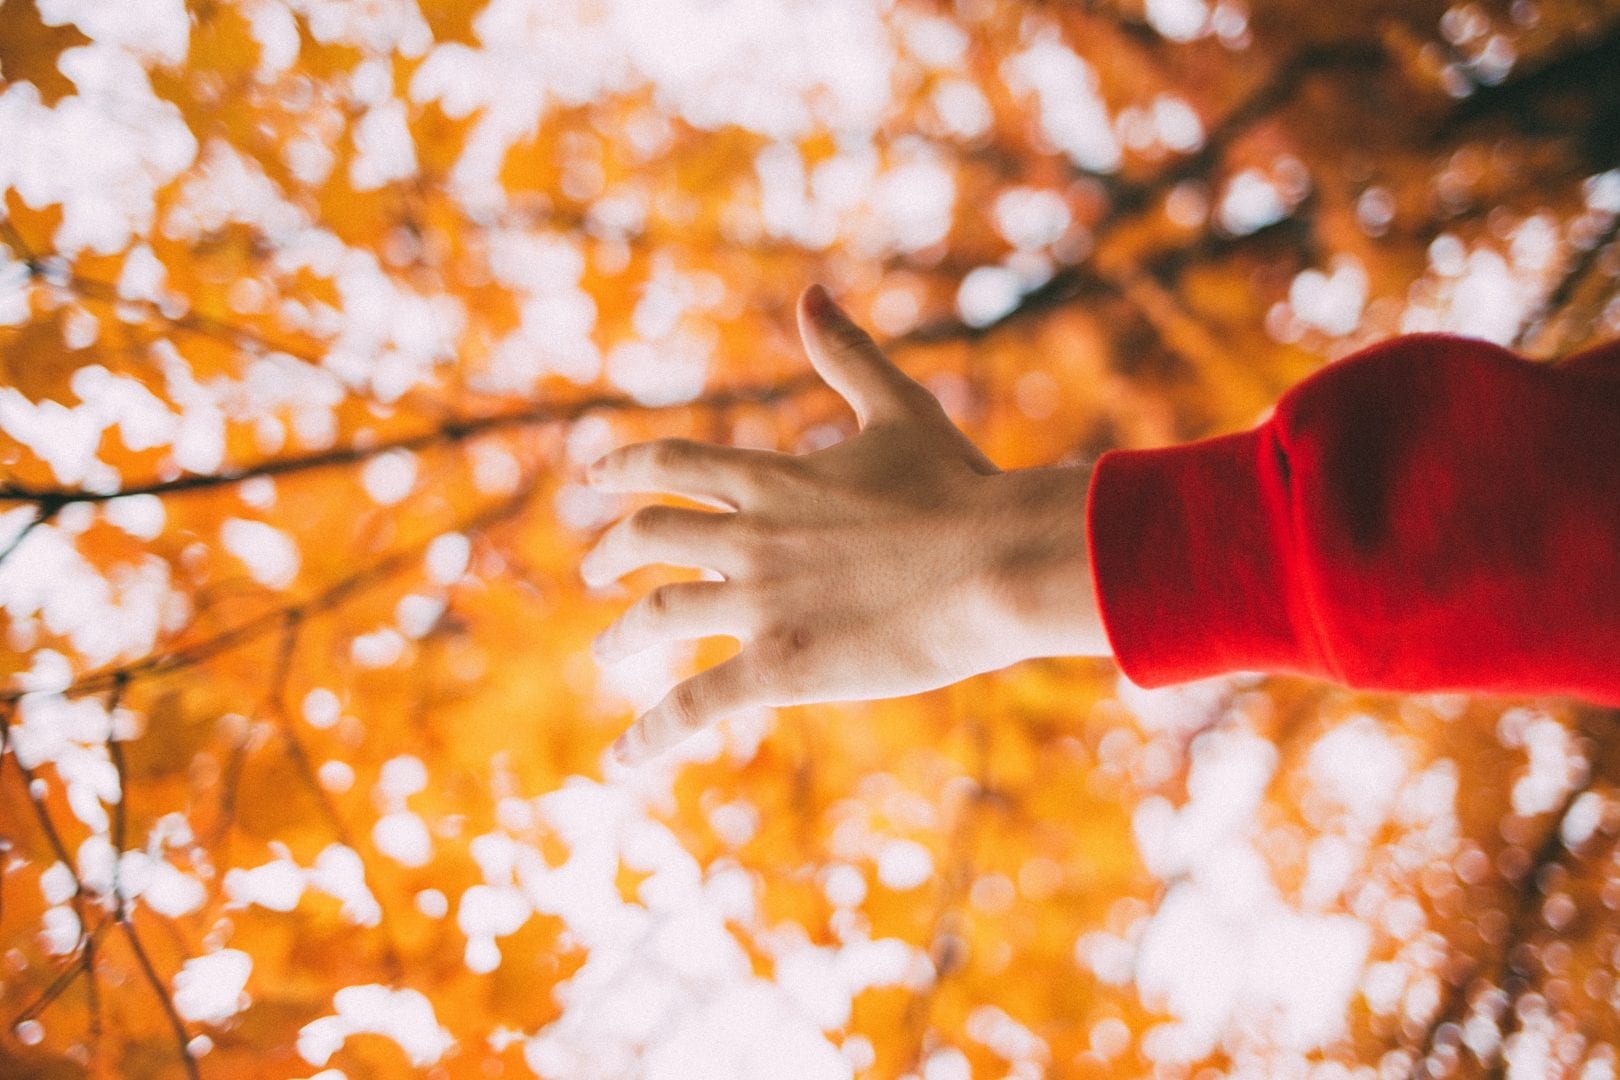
(895, 562)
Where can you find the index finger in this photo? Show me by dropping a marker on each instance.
(726, 474)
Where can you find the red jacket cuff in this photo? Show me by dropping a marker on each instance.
(1188, 565)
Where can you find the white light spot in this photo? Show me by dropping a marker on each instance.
(845, 886)
(378, 649)
(1251, 203)
(1072, 115)
(339, 873)
(1584, 816)
(209, 988)
(404, 1016)
(986, 294)
(321, 708)
(141, 516)
(335, 776)
(1553, 760)
(1030, 217)
(962, 107)
(1110, 1038)
(171, 892)
(1178, 20)
(402, 777)
(389, 477)
(1332, 303)
(268, 553)
(669, 372)
(1176, 124)
(276, 886)
(56, 883)
(61, 930)
(383, 147)
(403, 837)
(417, 614)
(947, 1063)
(1360, 768)
(447, 558)
(904, 864)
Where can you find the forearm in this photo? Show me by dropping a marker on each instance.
(1040, 573)
(1433, 513)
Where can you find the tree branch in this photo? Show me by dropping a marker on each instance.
(153, 980)
(448, 433)
(1129, 201)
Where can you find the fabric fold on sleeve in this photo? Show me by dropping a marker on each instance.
(1190, 558)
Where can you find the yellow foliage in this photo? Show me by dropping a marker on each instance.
(296, 656)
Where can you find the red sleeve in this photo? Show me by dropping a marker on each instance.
(1432, 513)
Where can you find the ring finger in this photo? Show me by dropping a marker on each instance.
(693, 609)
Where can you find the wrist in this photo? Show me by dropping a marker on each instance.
(1039, 577)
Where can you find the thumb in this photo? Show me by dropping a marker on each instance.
(847, 358)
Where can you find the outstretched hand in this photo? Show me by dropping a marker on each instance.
(895, 562)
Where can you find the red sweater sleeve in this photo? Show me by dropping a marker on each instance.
(1432, 513)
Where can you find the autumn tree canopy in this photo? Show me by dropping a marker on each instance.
(312, 313)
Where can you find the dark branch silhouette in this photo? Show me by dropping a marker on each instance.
(446, 433)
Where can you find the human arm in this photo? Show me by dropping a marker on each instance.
(895, 562)
(1432, 513)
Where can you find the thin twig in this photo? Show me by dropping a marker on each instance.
(44, 511)
(64, 978)
(1568, 285)
(84, 948)
(155, 981)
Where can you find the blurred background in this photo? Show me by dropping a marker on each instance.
(312, 313)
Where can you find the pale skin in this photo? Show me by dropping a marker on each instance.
(898, 561)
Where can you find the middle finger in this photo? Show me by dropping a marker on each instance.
(663, 534)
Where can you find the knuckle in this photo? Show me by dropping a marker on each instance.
(779, 661)
(790, 468)
(648, 521)
(669, 453)
(685, 709)
(779, 649)
(919, 399)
